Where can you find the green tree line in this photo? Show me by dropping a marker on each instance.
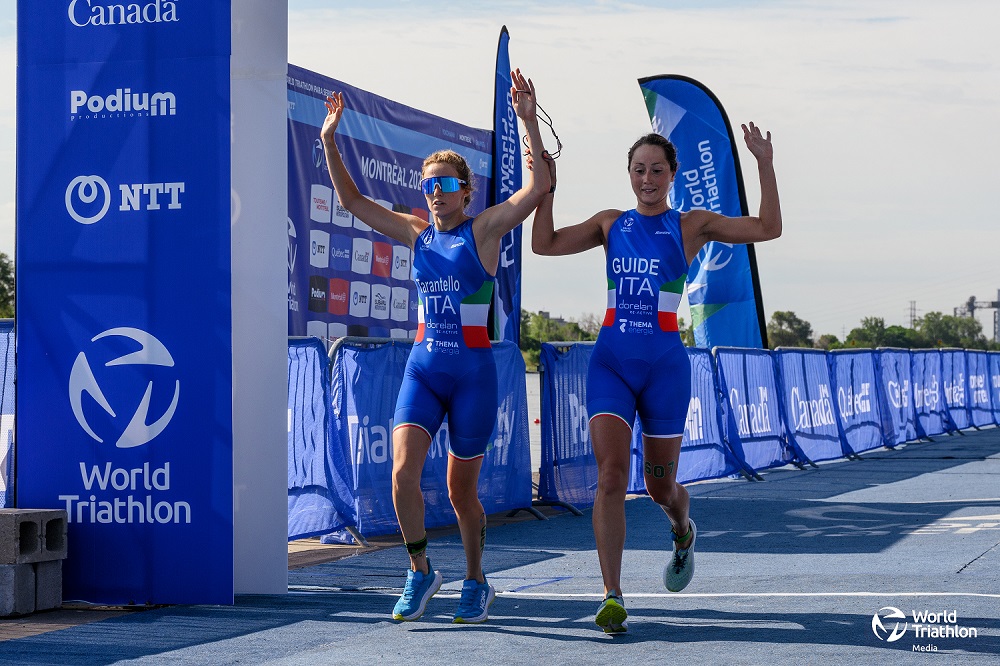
(786, 329)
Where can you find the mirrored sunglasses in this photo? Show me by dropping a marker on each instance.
(447, 184)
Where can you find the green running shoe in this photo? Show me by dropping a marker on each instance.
(611, 616)
(680, 569)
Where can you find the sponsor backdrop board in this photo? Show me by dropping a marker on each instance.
(124, 328)
(343, 277)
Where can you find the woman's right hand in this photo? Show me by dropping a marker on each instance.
(551, 163)
(334, 110)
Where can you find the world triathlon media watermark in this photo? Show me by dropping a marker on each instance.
(890, 624)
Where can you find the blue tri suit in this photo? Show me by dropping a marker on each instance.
(639, 362)
(451, 368)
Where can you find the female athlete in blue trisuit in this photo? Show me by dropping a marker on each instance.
(450, 369)
(639, 363)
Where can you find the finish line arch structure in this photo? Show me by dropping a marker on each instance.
(151, 326)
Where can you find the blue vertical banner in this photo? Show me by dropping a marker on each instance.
(506, 181)
(124, 311)
(344, 278)
(723, 289)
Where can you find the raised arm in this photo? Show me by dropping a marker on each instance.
(702, 226)
(404, 228)
(545, 240)
(501, 218)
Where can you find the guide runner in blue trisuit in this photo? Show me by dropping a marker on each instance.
(450, 368)
(639, 363)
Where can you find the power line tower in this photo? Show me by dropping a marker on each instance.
(913, 314)
(971, 305)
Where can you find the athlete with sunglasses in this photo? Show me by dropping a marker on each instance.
(639, 363)
(451, 368)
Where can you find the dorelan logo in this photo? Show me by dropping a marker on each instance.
(89, 12)
(82, 380)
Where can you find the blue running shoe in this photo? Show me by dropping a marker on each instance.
(679, 570)
(474, 606)
(419, 588)
(611, 615)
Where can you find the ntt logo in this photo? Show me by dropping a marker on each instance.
(84, 13)
(879, 627)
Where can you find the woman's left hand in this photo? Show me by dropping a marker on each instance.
(522, 93)
(759, 145)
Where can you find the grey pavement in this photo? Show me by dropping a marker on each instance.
(789, 571)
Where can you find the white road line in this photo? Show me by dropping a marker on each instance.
(309, 589)
(712, 595)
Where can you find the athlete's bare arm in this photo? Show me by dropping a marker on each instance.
(702, 226)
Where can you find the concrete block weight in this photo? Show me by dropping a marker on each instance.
(32, 535)
(17, 589)
(48, 585)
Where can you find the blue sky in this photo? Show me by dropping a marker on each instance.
(883, 115)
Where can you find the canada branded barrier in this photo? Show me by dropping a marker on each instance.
(805, 385)
(568, 471)
(6, 411)
(854, 381)
(993, 367)
(928, 397)
(893, 372)
(954, 373)
(746, 378)
(978, 396)
(365, 379)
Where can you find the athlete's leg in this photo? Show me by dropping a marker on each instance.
(463, 490)
(611, 438)
(410, 445)
(660, 456)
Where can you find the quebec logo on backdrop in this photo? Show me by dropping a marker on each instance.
(128, 390)
(341, 248)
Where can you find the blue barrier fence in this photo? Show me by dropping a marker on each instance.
(568, 472)
(6, 410)
(340, 440)
(756, 409)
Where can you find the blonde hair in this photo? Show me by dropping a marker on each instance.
(460, 165)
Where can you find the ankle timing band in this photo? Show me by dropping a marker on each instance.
(417, 547)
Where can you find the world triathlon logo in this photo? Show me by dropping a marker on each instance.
(881, 618)
(293, 245)
(119, 384)
(318, 154)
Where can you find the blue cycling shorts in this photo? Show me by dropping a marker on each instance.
(656, 383)
(463, 386)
